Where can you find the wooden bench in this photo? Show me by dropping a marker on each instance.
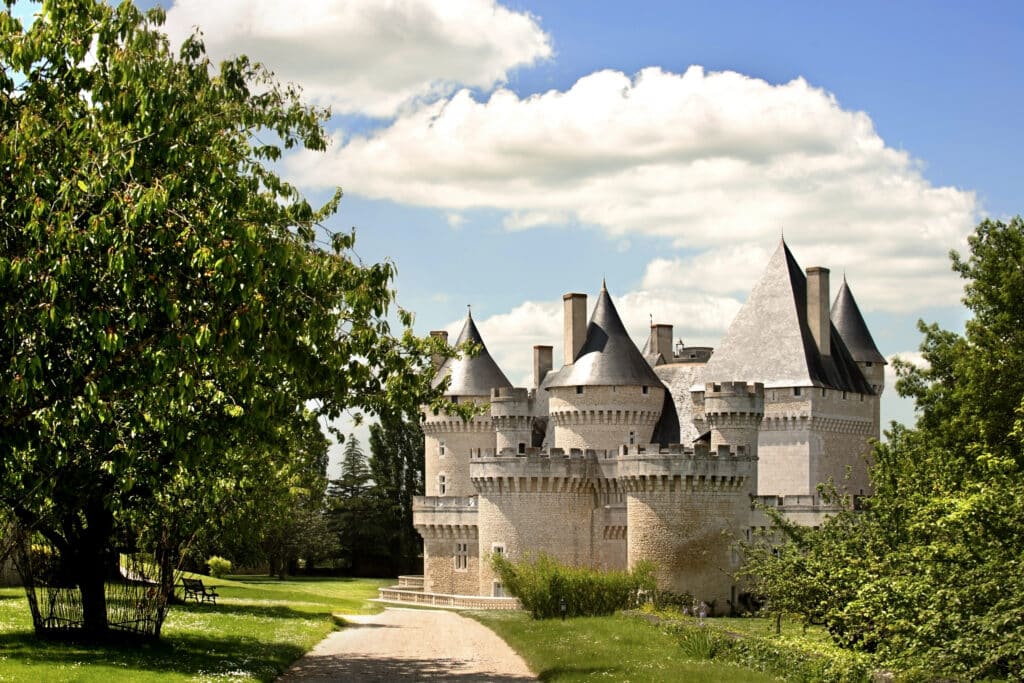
(195, 589)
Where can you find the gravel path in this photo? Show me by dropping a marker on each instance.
(410, 645)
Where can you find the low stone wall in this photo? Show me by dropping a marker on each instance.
(413, 582)
(414, 597)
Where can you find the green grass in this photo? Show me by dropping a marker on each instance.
(259, 627)
(618, 648)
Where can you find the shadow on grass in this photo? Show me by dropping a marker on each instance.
(350, 667)
(185, 654)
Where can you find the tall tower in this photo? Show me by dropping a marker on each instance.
(450, 440)
(607, 396)
(685, 510)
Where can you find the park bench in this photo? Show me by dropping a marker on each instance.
(195, 589)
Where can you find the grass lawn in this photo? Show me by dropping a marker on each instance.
(258, 627)
(619, 648)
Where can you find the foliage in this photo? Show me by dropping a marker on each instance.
(257, 629)
(542, 584)
(700, 642)
(928, 573)
(371, 503)
(219, 567)
(168, 309)
(396, 466)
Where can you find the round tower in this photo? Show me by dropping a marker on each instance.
(531, 504)
(450, 441)
(607, 395)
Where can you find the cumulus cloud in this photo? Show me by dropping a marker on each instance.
(369, 57)
(715, 162)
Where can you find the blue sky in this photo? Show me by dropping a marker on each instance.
(906, 116)
(501, 154)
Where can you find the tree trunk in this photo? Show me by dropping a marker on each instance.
(91, 567)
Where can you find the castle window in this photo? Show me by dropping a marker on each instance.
(497, 590)
(522, 448)
(440, 448)
(796, 391)
(824, 391)
(498, 548)
(442, 484)
(579, 390)
(868, 363)
(461, 556)
(645, 389)
(844, 395)
(632, 438)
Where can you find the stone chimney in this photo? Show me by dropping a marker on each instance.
(542, 363)
(437, 359)
(575, 306)
(661, 341)
(818, 308)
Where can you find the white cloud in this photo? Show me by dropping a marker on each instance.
(712, 161)
(369, 56)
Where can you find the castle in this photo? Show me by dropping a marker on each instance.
(625, 454)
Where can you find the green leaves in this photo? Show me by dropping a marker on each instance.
(166, 306)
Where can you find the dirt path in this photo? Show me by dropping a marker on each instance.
(410, 645)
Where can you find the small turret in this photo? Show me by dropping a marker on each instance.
(511, 412)
(733, 411)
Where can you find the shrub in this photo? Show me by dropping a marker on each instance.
(218, 566)
(541, 584)
(773, 655)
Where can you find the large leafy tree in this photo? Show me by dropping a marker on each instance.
(166, 306)
(928, 575)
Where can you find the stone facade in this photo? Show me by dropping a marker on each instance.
(663, 454)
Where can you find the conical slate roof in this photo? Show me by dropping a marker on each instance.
(608, 356)
(472, 375)
(770, 341)
(850, 323)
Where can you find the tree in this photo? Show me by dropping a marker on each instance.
(167, 307)
(396, 466)
(929, 570)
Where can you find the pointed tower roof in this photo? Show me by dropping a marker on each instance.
(850, 323)
(471, 376)
(770, 341)
(608, 356)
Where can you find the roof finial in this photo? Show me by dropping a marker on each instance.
(469, 311)
(604, 287)
(651, 316)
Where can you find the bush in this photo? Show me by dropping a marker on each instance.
(218, 566)
(773, 655)
(541, 584)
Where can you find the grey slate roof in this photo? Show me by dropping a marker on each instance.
(850, 323)
(608, 356)
(679, 378)
(471, 376)
(769, 340)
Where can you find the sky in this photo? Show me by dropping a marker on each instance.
(501, 154)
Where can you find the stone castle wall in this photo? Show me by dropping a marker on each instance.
(602, 417)
(808, 438)
(459, 439)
